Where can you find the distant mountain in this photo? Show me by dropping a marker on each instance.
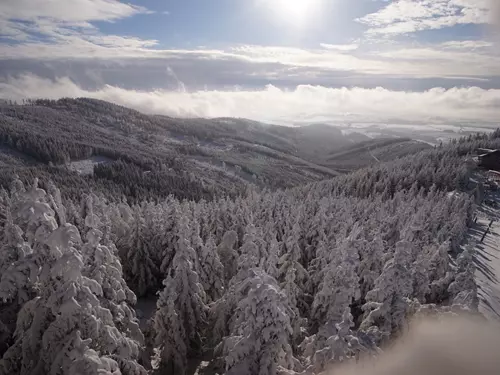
(125, 152)
(317, 140)
(133, 154)
(373, 151)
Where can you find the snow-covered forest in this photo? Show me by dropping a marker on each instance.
(271, 282)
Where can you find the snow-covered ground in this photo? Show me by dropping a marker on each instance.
(86, 166)
(487, 256)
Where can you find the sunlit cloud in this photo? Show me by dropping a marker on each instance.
(304, 103)
(408, 16)
(467, 44)
(68, 11)
(340, 47)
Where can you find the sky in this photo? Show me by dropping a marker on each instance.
(279, 61)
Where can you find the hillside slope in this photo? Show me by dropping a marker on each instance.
(373, 151)
(207, 155)
(91, 144)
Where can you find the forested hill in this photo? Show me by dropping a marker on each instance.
(371, 152)
(285, 282)
(94, 145)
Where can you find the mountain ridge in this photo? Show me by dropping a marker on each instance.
(220, 155)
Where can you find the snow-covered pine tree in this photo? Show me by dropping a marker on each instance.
(189, 303)
(74, 217)
(82, 360)
(342, 346)
(181, 238)
(228, 255)
(16, 283)
(292, 274)
(141, 270)
(387, 304)
(270, 265)
(67, 306)
(440, 272)
(250, 253)
(164, 241)
(216, 224)
(371, 263)
(316, 229)
(33, 213)
(463, 289)
(211, 270)
(14, 249)
(156, 220)
(420, 277)
(292, 255)
(121, 217)
(222, 310)
(339, 289)
(318, 266)
(259, 343)
(170, 342)
(102, 265)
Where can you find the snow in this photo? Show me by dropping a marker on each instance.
(86, 166)
(487, 256)
(201, 368)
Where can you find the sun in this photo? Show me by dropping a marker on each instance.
(295, 8)
(294, 11)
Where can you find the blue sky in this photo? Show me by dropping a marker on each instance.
(313, 59)
(222, 22)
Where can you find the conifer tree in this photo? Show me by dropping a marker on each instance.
(141, 269)
(188, 304)
(211, 270)
(228, 255)
(259, 343)
(171, 340)
(387, 304)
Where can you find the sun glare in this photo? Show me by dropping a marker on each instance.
(295, 8)
(294, 11)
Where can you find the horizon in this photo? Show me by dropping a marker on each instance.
(409, 62)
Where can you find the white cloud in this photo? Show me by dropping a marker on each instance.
(395, 62)
(68, 11)
(305, 103)
(408, 16)
(11, 31)
(64, 27)
(467, 44)
(415, 62)
(340, 47)
(464, 59)
(116, 41)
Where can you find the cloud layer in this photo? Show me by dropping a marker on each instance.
(304, 104)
